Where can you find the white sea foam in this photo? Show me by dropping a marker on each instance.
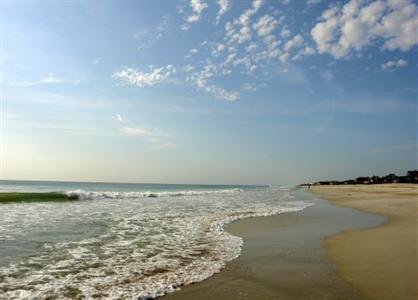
(129, 247)
(85, 195)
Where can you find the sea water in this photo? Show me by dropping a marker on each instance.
(124, 241)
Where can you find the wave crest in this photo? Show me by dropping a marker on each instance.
(91, 195)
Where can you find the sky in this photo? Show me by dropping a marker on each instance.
(221, 92)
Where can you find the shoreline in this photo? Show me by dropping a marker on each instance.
(283, 258)
(381, 262)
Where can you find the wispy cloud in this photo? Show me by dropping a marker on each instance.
(50, 78)
(137, 131)
(153, 136)
(119, 118)
(164, 146)
(391, 65)
(148, 36)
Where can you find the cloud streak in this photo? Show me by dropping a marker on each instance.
(155, 137)
(50, 78)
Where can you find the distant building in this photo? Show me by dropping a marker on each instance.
(410, 177)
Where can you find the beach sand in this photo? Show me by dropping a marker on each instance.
(380, 262)
(283, 258)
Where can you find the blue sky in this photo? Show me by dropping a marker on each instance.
(208, 91)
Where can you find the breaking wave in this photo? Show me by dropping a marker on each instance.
(128, 248)
(91, 195)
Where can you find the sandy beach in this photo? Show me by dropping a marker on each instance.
(380, 262)
(325, 251)
(283, 257)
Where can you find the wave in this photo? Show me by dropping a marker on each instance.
(192, 256)
(92, 195)
(139, 250)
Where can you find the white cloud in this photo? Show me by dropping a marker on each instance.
(201, 77)
(313, 2)
(400, 26)
(284, 57)
(359, 24)
(140, 34)
(147, 36)
(193, 51)
(217, 49)
(307, 51)
(245, 61)
(201, 81)
(136, 131)
(224, 6)
(243, 22)
(230, 58)
(393, 64)
(119, 118)
(198, 6)
(249, 87)
(188, 68)
(193, 18)
(162, 27)
(296, 41)
(265, 25)
(221, 93)
(185, 27)
(131, 76)
(50, 78)
(251, 47)
(285, 32)
(151, 135)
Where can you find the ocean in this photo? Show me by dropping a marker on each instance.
(125, 241)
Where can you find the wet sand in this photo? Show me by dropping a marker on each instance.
(380, 262)
(283, 258)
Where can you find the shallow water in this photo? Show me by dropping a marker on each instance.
(283, 257)
(124, 241)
